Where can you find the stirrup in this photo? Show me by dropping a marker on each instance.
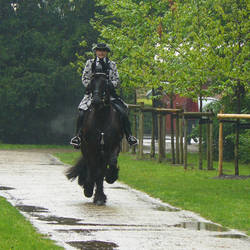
(131, 140)
(76, 142)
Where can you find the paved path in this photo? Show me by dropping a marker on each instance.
(35, 183)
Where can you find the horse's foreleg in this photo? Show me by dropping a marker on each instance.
(100, 197)
(112, 171)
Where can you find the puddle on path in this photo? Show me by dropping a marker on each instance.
(31, 209)
(165, 208)
(93, 245)
(86, 232)
(193, 225)
(6, 188)
(231, 236)
(60, 220)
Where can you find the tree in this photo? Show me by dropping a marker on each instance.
(39, 89)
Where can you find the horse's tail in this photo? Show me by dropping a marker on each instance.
(78, 170)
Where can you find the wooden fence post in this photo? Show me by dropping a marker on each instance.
(208, 145)
(159, 121)
(125, 147)
(177, 134)
(163, 120)
(236, 146)
(172, 139)
(141, 131)
(211, 145)
(185, 143)
(152, 149)
(181, 140)
(200, 143)
(220, 147)
(134, 131)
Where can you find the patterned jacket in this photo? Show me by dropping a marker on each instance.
(87, 73)
(87, 76)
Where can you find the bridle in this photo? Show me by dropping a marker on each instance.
(95, 92)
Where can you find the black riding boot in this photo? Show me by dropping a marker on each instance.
(127, 130)
(122, 109)
(76, 140)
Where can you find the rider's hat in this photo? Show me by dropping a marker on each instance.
(101, 46)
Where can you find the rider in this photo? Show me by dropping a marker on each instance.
(102, 64)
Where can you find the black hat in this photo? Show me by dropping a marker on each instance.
(101, 46)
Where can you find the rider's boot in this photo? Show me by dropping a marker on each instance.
(127, 130)
(122, 109)
(76, 140)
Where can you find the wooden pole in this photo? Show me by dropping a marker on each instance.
(200, 145)
(220, 148)
(236, 147)
(159, 118)
(185, 144)
(152, 150)
(134, 125)
(200, 136)
(211, 146)
(236, 116)
(172, 139)
(134, 131)
(141, 132)
(163, 136)
(181, 139)
(208, 146)
(177, 139)
(172, 129)
(237, 130)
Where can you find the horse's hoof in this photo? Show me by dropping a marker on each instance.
(100, 200)
(100, 203)
(111, 175)
(88, 190)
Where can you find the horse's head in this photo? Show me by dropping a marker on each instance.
(99, 90)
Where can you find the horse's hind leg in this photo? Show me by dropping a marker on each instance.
(100, 197)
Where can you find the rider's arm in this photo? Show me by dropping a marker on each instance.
(114, 75)
(87, 73)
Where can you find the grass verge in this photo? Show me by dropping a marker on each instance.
(224, 201)
(17, 233)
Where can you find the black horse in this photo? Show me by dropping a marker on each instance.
(101, 139)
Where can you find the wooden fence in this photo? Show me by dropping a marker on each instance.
(179, 140)
(223, 119)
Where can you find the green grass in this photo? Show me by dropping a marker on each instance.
(223, 201)
(17, 233)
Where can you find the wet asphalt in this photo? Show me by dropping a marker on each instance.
(35, 183)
